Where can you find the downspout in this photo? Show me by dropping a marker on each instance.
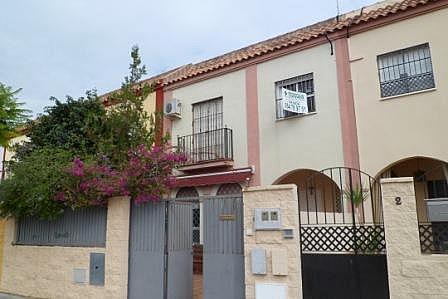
(331, 45)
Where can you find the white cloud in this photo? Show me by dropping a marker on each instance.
(53, 47)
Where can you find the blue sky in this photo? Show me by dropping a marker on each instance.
(58, 48)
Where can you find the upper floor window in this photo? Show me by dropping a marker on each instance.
(207, 116)
(303, 83)
(405, 71)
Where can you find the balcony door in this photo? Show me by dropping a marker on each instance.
(207, 122)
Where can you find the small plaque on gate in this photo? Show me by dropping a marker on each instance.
(227, 217)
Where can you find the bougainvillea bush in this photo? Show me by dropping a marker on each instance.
(145, 176)
(80, 154)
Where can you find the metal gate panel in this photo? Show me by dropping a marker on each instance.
(180, 255)
(146, 254)
(223, 248)
(344, 276)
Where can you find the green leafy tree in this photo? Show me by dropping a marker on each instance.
(35, 181)
(128, 124)
(12, 115)
(80, 154)
(73, 125)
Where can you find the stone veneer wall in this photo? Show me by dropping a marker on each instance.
(285, 198)
(411, 273)
(47, 271)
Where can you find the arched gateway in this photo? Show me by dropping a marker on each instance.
(341, 233)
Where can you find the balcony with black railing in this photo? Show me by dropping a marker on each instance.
(207, 147)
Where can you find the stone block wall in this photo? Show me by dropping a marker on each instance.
(47, 271)
(285, 198)
(411, 273)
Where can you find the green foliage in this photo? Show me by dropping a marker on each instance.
(73, 125)
(78, 151)
(357, 194)
(31, 190)
(12, 115)
(127, 124)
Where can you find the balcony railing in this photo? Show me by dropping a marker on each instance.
(207, 146)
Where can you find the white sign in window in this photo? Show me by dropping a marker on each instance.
(294, 101)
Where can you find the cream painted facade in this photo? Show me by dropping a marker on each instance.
(404, 126)
(231, 87)
(312, 141)
(308, 142)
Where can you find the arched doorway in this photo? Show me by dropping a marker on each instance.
(430, 179)
(431, 196)
(341, 233)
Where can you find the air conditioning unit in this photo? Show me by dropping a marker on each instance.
(173, 108)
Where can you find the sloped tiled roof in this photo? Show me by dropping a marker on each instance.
(372, 12)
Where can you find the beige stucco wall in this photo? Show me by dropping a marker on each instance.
(149, 104)
(405, 126)
(312, 141)
(231, 87)
(13, 142)
(411, 274)
(47, 271)
(285, 198)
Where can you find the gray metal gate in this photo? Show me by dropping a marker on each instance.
(223, 248)
(160, 259)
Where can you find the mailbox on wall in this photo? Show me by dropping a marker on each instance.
(267, 219)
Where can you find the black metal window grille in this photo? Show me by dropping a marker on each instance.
(303, 83)
(437, 189)
(404, 71)
(84, 227)
(207, 116)
(190, 193)
(196, 225)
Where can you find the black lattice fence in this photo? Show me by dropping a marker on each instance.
(434, 237)
(365, 239)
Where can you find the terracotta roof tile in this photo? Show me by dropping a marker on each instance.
(365, 14)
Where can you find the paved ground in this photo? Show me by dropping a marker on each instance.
(197, 287)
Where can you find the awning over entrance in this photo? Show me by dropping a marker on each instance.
(232, 176)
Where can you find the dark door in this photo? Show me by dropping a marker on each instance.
(344, 276)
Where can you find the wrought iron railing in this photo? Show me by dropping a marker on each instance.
(434, 237)
(207, 146)
(340, 210)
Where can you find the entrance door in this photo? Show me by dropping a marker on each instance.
(160, 255)
(180, 253)
(223, 248)
(344, 276)
(342, 236)
(146, 251)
